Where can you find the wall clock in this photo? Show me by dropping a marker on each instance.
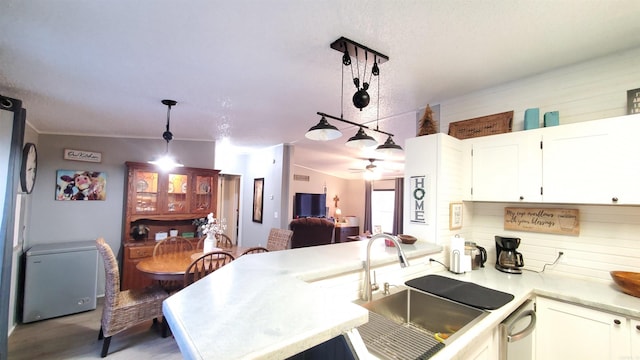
(29, 167)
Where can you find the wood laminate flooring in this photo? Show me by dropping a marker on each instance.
(76, 337)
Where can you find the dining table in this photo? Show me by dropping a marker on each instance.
(172, 266)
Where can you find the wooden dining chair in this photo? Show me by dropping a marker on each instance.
(125, 309)
(224, 241)
(172, 244)
(205, 265)
(279, 239)
(254, 250)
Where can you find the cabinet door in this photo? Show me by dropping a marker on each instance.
(507, 167)
(566, 331)
(634, 332)
(144, 188)
(592, 162)
(177, 190)
(204, 189)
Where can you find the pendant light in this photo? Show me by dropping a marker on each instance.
(166, 162)
(325, 131)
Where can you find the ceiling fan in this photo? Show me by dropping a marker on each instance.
(371, 167)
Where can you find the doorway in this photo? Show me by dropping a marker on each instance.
(229, 204)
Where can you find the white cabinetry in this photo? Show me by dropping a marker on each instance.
(507, 167)
(634, 333)
(592, 162)
(567, 331)
(485, 348)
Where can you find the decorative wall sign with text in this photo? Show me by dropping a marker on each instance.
(542, 220)
(82, 155)
(418, 208)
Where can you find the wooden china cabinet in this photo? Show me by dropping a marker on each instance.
(160, 201)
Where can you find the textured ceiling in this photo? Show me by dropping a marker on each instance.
(258, 71)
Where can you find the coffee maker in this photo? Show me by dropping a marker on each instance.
(507, 258)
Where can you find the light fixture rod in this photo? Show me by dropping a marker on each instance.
(343, 44)
(353, 123)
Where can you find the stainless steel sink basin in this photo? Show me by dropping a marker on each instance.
(410, 315)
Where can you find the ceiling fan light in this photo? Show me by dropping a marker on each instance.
(389, 147)
(361, 140)
(323, 131)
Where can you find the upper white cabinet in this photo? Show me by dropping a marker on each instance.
(506, 167)
(592, 162)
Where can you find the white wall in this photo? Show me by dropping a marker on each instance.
(272, 164)
(595, 89)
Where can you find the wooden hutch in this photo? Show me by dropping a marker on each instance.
(162, 201)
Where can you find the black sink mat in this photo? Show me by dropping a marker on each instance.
(461, 291)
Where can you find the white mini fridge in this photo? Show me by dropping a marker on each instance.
(60, 279)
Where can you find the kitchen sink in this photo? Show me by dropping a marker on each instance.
(408, 317)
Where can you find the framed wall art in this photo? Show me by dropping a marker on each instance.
(258, 194)
(633, 101)
(81, 185)
(455, 216)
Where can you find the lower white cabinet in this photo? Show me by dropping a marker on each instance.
(634, 332)
(485, 348)
(567, 331)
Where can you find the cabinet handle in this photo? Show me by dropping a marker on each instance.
(521, 197)
(637, 327)
(614, 199)
(617, 322)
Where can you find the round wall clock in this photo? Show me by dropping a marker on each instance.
(29, 167)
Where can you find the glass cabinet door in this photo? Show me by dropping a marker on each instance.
(177, 190)
(146, 191)
(203, 198)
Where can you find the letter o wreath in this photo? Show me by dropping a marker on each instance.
(418, 194)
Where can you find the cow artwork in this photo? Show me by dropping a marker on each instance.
(81, 185)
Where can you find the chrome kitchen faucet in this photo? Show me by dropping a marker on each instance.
(402, 258)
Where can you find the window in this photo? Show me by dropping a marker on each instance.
(382, 209)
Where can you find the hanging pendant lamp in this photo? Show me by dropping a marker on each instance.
(323, 131)
(361, 140)
(166, 162)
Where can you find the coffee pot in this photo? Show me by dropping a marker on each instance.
(477, 253)
(139, 232)
(507, 258)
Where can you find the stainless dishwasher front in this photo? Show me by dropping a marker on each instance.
(516, 333)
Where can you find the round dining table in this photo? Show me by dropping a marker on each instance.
(172, 266)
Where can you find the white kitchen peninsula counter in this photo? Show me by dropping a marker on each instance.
(262, 307)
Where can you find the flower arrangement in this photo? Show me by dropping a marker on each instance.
(211, 225)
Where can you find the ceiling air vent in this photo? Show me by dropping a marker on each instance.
(297, 177)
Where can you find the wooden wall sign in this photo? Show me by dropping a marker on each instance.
(543, 220)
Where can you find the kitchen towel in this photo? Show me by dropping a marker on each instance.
(461, 291)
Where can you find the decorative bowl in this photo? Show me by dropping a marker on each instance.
(629, 282)
(407, 239)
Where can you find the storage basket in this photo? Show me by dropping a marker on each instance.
(482, 126)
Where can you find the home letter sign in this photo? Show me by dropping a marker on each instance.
(418, 212)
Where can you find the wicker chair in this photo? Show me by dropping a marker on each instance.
(205, 265)
(125, 309)
(254, 250)
(279, 239)
(172, 244)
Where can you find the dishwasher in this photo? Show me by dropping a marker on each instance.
(516, 333)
